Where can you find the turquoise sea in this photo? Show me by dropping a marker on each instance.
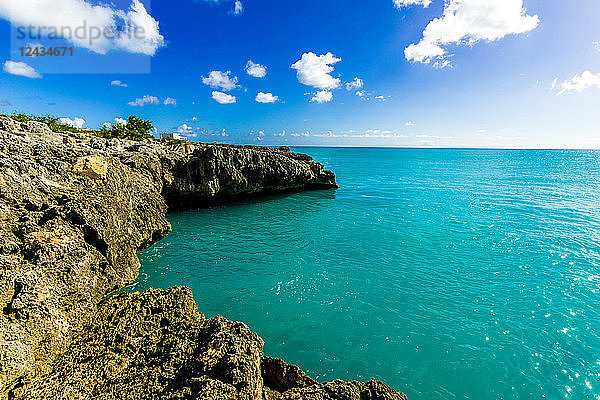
(449, 274)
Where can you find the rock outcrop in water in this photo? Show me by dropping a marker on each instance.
(73, 215)
(224, 172)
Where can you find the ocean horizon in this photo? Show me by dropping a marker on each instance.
(432, 148)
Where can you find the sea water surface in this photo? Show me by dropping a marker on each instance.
(449, 274)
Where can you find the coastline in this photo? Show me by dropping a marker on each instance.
(76, 213)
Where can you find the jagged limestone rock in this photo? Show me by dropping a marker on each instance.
(156, 345)
(215, 173)
(67, 241)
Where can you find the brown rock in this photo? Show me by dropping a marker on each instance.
(156, 345)
(91, 166)
(68, 140)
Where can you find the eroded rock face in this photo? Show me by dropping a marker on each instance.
(73, 214)
(66, 240)
(156, 345)
(223, 172)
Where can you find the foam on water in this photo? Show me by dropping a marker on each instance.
(467, 274)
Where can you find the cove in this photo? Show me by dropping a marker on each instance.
(450, 273)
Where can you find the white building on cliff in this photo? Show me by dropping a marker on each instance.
(172, 136)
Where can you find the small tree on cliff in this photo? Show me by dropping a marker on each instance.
(135, 129)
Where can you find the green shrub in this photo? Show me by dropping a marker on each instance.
(135, 129)
(53, 123)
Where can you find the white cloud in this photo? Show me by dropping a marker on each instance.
(256, 70)
(137, 18)
(357, 83)
(434, 137)
(169, 101)
(597, 45)
(141, 102)
(361, 93)
(266, 98)
(323, 96)
(377, 132)
(370, 133)
(580, 82)
(380, 98)
(223, 98)
(238, 7)
(20, 69)
(221, 80)
(214, 132)
(410, 124)
(303, 134)
(406, 3)
(120, 121)
(134, 29)
(118, 83)
(75, 122)
(313, 70)
(467, 22)
(184, 129)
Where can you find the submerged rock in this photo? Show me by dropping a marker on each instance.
(73, 214)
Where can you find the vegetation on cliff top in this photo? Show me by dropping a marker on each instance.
(135, 128)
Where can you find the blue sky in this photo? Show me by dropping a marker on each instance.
(513, 73)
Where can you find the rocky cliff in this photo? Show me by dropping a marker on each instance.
(73, 214)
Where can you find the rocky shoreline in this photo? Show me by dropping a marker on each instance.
(74, 213)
